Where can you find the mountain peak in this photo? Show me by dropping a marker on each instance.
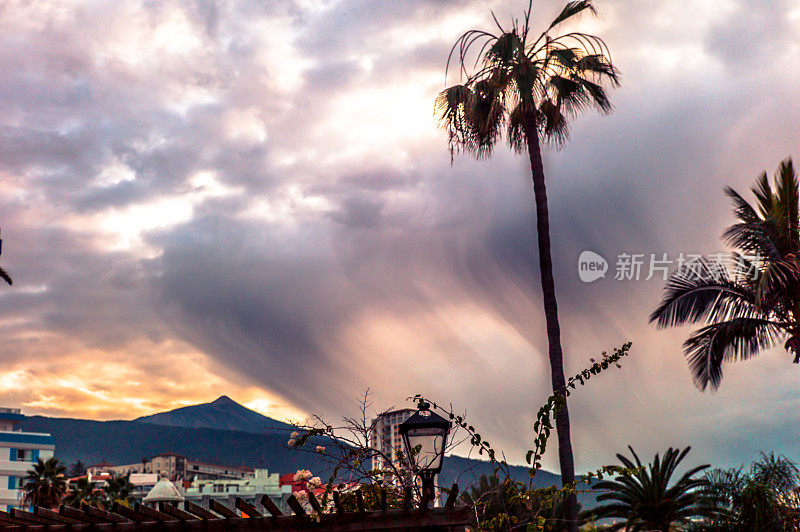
(223, 413)
(224, 400)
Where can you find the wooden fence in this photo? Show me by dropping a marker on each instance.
(244, 516)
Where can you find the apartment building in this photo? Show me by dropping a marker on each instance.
(19, 451)
(386, 436)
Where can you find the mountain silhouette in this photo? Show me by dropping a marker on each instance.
(222, 414)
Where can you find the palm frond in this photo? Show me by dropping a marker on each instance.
(572, 9)
(485, 117)
(464, 44)
(516, 128)
(506, 50)
(763, 193)
(568, 95)
(566, 57)
(778, 279)
(703, 291)
(6, 277)
(596, 95)
(786, 204)
(552, 124)
(753, 233)
(731, 340)
(598, 65)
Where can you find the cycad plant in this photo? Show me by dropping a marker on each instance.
(525, 86)
(644, 499)
(753, 307)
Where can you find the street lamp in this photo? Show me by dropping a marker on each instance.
(425, 437)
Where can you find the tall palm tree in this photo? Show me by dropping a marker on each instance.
(526, 87)
(750, 309)
(44, 485)
(645, 500)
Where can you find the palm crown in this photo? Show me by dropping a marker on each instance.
(45, 484)
(524, 83)
(749, 309)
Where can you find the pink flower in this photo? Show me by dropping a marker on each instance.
(302, 474)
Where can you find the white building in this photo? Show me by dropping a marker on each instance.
(18, 452)
(249, 489)
(386, 436)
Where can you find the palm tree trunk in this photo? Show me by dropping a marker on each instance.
(551, 315)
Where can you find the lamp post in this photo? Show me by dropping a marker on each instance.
(425, 437)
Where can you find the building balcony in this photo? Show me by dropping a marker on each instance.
(14, 469)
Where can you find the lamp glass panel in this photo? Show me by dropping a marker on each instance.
(431, 443)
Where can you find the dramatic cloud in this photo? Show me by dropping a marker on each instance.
(253, 198)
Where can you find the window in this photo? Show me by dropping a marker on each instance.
(24, 455)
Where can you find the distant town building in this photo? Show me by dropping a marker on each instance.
(18, 452)
(386, 438)
(142, 484)
(175, 467)
(249, 489)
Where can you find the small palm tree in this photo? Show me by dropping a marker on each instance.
(118, 490)
(527, 87)
(507, 505)
(645, 500)
(750, 309)
(765, 498)
(84, 492)
(44, 485)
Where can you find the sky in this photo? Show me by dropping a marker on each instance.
(202, 198)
